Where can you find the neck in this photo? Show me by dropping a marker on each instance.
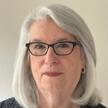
(56, 102)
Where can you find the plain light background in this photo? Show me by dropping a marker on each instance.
(12, 14)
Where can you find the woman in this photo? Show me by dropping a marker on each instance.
(55, 64)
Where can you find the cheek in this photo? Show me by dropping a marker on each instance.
(72, 82)
(73, 75)
(73, 65)
(73, 71)
(35, 68)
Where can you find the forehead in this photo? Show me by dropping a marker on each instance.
(48, 30)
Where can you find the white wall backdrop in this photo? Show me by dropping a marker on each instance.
(12, 13)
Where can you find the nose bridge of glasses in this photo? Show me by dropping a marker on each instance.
(52, 46)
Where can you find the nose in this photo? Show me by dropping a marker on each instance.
(51, 57)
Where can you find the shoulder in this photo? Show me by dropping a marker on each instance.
(9, 103)
(96, 106)
(100, 106)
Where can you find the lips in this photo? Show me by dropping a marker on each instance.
(52, 74)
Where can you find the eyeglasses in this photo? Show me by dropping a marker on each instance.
(60, 48)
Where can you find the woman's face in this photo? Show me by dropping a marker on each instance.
(45, 68)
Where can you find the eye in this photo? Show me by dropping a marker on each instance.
(63, 45)
(38, 46)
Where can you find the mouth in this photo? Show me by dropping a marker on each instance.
(52, 74)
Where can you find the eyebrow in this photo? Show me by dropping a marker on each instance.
(35, 40)
(59, 40)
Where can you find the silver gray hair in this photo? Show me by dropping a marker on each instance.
(24, 86)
